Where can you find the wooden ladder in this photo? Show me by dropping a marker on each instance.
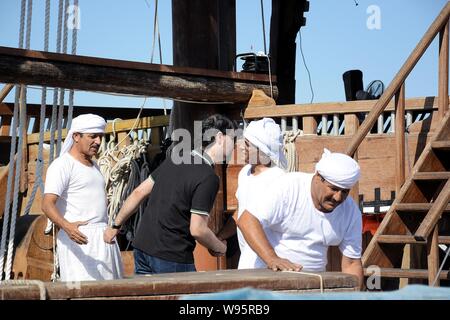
(419, 215)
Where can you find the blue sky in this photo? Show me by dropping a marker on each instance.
(335, 39)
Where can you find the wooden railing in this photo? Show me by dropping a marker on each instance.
(342, 118)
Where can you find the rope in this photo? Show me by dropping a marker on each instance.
(40, 284)
(62, 92)
(263, 27)
(290, 150)
(55, 92)
(6, 212)
(74, 52)
(12, 227)
(40, 159)
(310, 274)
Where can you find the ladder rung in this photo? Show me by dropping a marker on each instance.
(416, 207)
(407, 273)
(441, 145)
(408, 239)
(443, 175)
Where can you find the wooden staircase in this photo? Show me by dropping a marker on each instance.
(419, 216)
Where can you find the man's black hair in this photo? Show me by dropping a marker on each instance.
(214, 124)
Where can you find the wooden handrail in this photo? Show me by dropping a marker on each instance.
(350, 107)
(120, 126)
(399, 79)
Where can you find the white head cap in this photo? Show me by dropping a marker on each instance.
(338, 169)
(266, 135)
(85, 123)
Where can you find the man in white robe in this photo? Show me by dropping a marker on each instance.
(305, 213)
(75, 201)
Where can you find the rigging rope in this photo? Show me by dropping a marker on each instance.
(6, 213)
(290, 150)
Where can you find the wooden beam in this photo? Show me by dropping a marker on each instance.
(107, 112)
(433, 257)
(119, 126)
(400, 138)
(106, 75)
(5, 91)
(443, 71)
(400, 78)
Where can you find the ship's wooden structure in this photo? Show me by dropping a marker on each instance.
(408, 169)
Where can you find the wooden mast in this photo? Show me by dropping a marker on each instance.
(204, 36)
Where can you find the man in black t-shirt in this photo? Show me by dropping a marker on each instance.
(181, 195)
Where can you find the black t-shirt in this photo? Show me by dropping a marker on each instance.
(178, 190)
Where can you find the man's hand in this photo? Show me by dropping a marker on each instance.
(283, 265)
(109, 235)
(219, 253)
(71, 228)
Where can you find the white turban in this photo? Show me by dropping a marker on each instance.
(266, 135)
(338, 169)
(85, 123)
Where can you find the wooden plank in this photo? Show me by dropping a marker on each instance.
(119, 126)
(408, 239)
(400, 138)
(441, 175)
(416, 207)
(433, 256)
(107, 112)
(433, 216)
(106, 75)
(400, 78)
(317, 109)
(187, 283)
(5, 91)
(409, 273)
(443, 71)
(441, 145)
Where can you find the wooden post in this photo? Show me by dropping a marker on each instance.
(443, 72)
(433, 257)
(400, 138)
(351, 127)
(309, 125)
(23, 185)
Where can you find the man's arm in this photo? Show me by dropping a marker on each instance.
(353, 266)
(129, 207)
(204, 235)
(256, 238)
(71, 228)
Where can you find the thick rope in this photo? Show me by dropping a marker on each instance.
(40, 284)
(290, 150)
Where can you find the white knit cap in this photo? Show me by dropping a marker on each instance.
(85, 123)
(266, 135)
(338, 169)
